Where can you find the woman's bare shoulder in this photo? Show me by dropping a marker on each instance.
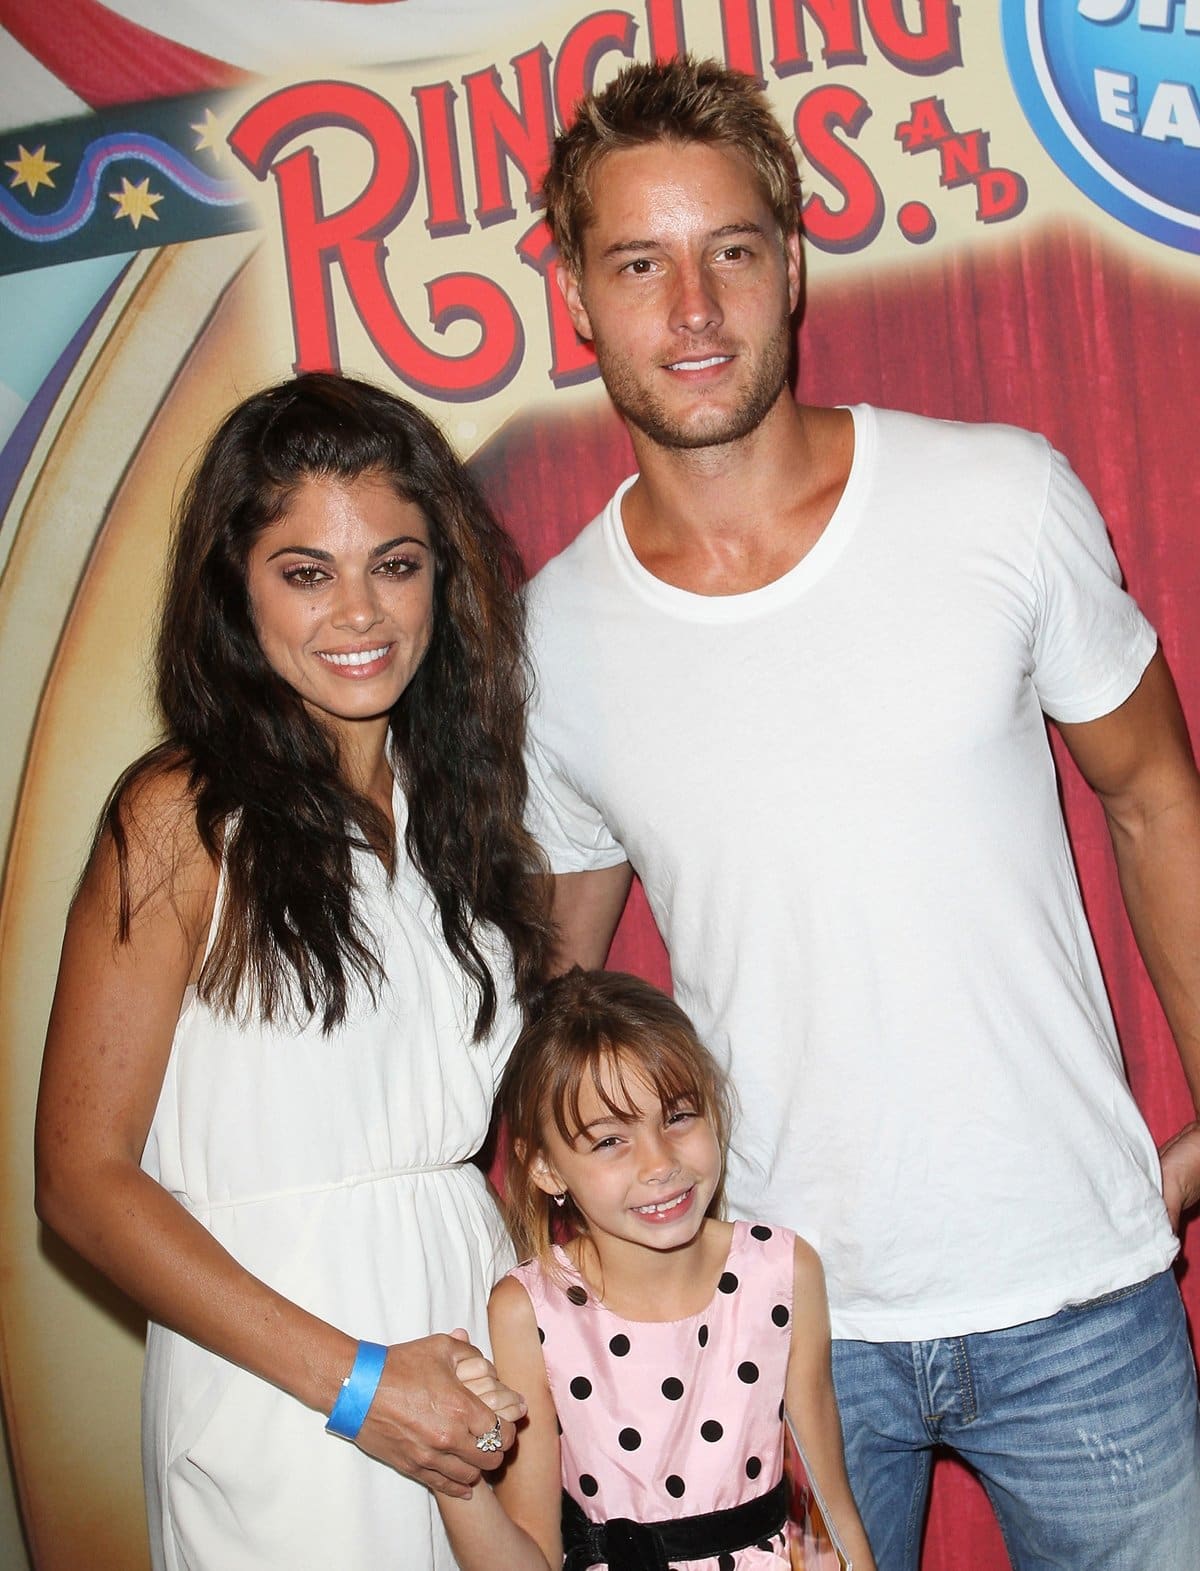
(149, 857)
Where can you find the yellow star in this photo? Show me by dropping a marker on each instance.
(135, 202)
(209, 134)
(31, 169)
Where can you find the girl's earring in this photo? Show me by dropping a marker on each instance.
(560, 1199)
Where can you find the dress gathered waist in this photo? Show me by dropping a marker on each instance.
(356, 1181)
(624, 1545)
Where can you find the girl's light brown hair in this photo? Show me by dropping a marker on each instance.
(580, 1024)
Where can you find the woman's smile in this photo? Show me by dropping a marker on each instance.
(357, 664)
(341, 589)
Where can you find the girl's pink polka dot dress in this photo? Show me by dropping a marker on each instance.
(677, 1418)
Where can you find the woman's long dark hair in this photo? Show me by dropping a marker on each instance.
(270, 800)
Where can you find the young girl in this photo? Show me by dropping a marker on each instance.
(658, 1347)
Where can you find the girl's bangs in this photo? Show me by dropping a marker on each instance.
(667, 1066)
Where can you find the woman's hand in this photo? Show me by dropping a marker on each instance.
(426, 1416)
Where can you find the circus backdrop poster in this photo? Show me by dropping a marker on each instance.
(1002, 222)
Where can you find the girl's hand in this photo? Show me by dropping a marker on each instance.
(480, 1377)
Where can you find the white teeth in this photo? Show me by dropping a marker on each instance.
(698, 365)
(363, 657)
(664, 1205)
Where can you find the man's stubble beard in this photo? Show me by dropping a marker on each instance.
(653, 418)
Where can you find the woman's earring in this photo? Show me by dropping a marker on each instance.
(560, 1199)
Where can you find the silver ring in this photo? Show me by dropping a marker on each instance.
(491, 1441)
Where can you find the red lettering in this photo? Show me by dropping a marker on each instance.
(963, 157)
(840, 30)
(490, 366)
(499, 133)
(439, 155)
(739, 28)
(572, 359)
(312, 239)
(928, 127)
(820, 116)
(1000, 193)
(931, 47)
(582, 50)
(353, 238)
(664, 24)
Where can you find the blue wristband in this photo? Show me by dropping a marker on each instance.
(358, 1391)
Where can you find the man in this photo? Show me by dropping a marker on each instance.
(795, 676)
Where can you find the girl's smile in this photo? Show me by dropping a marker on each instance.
(637, 1172)
(667, 1210)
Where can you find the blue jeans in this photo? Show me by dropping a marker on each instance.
(1083, 1428)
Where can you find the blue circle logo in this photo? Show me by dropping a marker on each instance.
(1112, 89)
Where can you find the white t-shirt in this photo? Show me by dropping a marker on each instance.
(839, 795)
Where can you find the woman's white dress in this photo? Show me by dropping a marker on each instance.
(335, 1169)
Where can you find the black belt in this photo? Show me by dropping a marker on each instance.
(623, 1545)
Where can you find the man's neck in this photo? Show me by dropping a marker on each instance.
(728, 519)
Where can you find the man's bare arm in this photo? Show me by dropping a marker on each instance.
(1138, 760)
(587, 908)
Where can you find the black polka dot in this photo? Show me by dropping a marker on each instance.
(728, 1283)
(710, 1430)
(672, 1389)
(581, 1388)
(760, 1232)
(675, 1486)
(748, 1373)
(780, 1314)
(782, 1410)
(702, 1336)
(629, 1439)
(726, 1562)
(587, 1485)
(541, 1334)
(619, 1346)
(753, 1466)
(576, 1294)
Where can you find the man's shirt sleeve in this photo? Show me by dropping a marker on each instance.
(569, 828)
(1091, 642)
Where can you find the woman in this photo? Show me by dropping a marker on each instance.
(287, 988)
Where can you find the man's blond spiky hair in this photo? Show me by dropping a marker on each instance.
(678, 100)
